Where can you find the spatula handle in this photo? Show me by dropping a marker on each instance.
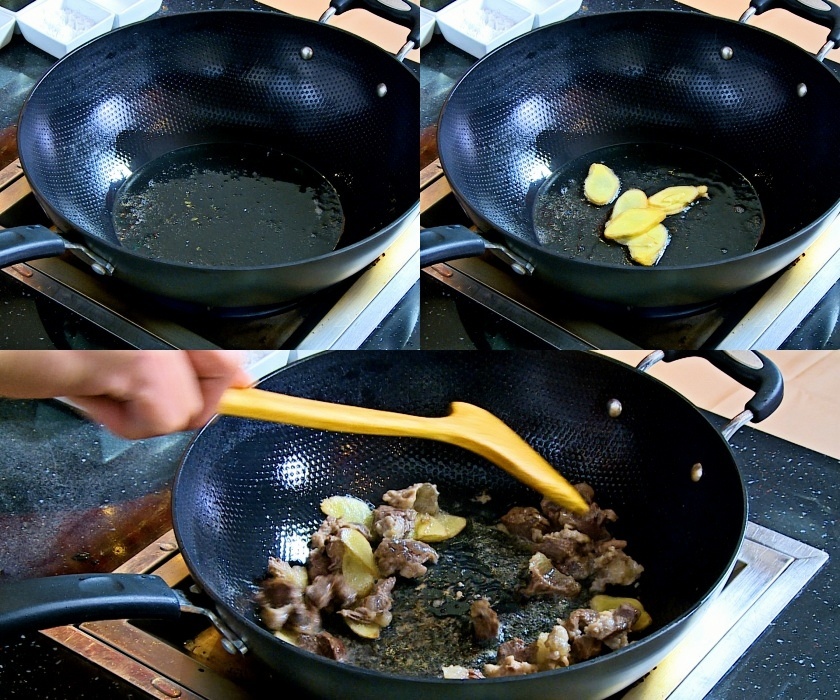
(321, 415)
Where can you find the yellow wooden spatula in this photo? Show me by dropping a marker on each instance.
(466, 426)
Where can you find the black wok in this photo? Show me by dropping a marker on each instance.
(248, 490)
(310, 121)
(664, 98)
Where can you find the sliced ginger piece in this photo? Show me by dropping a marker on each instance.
(348, 508)
(366, 630)
(633, 222)
(673, 200)
(437, 528)
(631, 199)
(647, 248)
(601, 184)
(356, 544)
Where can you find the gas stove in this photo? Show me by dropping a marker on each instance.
(70, 306)
(188, 660)
(496, 308)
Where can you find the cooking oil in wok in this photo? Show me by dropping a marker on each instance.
(726, 224)
(431, 625)
(228, 205)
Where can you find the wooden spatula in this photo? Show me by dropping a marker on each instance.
(466, 426)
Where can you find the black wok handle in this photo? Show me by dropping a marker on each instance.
(36, 604)
(23, 243)
(441, 243)
(398, 11)
(818, 11)
(751, 369)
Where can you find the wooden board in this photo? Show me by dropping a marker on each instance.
(384, 34)
(805, 34)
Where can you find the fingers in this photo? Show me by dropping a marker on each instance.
(215, 371)
(150, 393)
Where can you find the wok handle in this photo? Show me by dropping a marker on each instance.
(442, 243)
(36, 604)
(821, 12)
(750, 369)
(22, 243)
(398, 11)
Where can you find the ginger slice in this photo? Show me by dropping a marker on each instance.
(631, 199)
(601, 185)
(647, 248)
(673, 200)
(633, 222)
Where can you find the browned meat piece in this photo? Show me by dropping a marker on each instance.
(394, 523)
(527, 522)
(616, 567)
(612, 622)
(330, 592)
(374, 608)
(589, 631)
(591, 523)
(421, 497)
(405, 557)
(485, 621)
(570, 551)
(578, 619)
(276, 593)
(545, 580)
(297, 616)
(509, 667)
(584, 648)
(516, 648)
(323, 644)
(327, 549)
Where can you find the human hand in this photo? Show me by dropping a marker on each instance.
(133, 393)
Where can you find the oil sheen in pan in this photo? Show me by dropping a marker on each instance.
(431, 624)
(729, 223)
(228, 205)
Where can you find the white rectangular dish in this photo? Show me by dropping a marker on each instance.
(550, 11)
(427, 26)
(7, 26)
(59, 26)
(480, 26)
(130, 11)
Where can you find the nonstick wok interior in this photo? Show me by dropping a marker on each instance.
(238, 79)
(640, 77)
(250, 490)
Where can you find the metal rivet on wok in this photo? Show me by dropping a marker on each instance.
(802, 89)
(614, 408)
(697, 472)
(726, 53)
(381, 90)
(306, 53)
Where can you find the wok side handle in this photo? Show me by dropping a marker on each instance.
(398, 11)
(35, 604)
(749, 368)
(820, 12)
(22, 243)
(441, 243)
